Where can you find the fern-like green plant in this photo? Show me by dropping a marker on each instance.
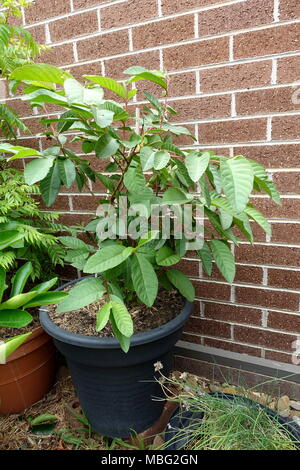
(17, 48)
(19, 210)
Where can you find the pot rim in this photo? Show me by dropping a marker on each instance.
(96, 342)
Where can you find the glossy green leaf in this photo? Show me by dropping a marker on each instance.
(44, 286)
(103, 117)
(37, 169)
(237, 178)
(108, 83)
(167, 257)
(259, 219)
(11, 345)
(8, 237)
(20, 278)
(41, 73)
(46, 298)
(106, 146)
(67, 172)
(50, 186)
(14, 318)
(123, 340)
(196, 164)
(122, 318)
(206, 258)
(3, 285)
(161, 159)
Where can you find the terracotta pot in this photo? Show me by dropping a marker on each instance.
(28, 374)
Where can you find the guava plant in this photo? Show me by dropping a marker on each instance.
(144, 165)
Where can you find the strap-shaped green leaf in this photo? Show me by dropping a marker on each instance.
(46, 298)
(3, 285)
(144, 279)
(107, 258)
(11, 345)
(20, 278)
(224, 259)
(41, 73)
(14, 318)
(122, 318)
(18, 300)
(237, 178)
(44, 286)
(123, 340)
(182, 283)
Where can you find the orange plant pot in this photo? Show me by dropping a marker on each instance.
(28, 374)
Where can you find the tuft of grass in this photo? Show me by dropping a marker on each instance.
(226, 424)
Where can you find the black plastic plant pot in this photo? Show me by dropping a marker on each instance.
(119, 393)
(183, 422)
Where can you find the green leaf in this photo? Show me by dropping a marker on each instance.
(148, 237)
(20, 278)
(46, 298)
(122, 318)
(37, 169)
(196, 164)
(41, 73)
(147, 158)
(78, 94)
(106, 146)
(224, 259)
(176, 196)
(13, 318)
(103, 117)
(67, 172)
(8, 237)
(153, 76)
(108, 83)
(41, 419)
(107, 258)
(153, 100)
(50, 186)
(144, 279)
(11, 345)
(84, 293)
(3, 285)
(73, 243)
(166, 256)
(259, 219)
(161, 159)
(123, 340)
(18, 300)
(44, 286)
(182, 283)
(103, 315)
(237, 177)
(206, 258)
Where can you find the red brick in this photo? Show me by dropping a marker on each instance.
(241, 15)
(34, 125)
(115, 67)
(284, 278)
(182, 84)
(207, 327)
(86, 69)
(174, 6)
(61, 204)
(249, 274)
(287, 182)
(232, 313)
(33, 143)
(233, 131)
(74, 26)
(286, 233)
(237, 348)
(22, 108)
(58, 55)
(267, 41)
(274, 100)
(128, 13)
(103, 45)
(199, 53)
(211, 290)
(185, 139)
(278, 357)
(284, 322)
(289, 9)
(286, 127)
(288, 69)
(38, 33)
(272, 156)
(202, 108)
(267, 298)
(268, 254)
(86, 3)
(190, 268)
(76, 219)
(290, 208)
(42, 10)
(163, 32)
(264, 338)
(236, 76)
(85, 203)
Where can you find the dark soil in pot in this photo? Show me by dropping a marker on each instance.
(120, 393)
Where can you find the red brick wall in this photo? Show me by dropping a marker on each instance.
(233, 65)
